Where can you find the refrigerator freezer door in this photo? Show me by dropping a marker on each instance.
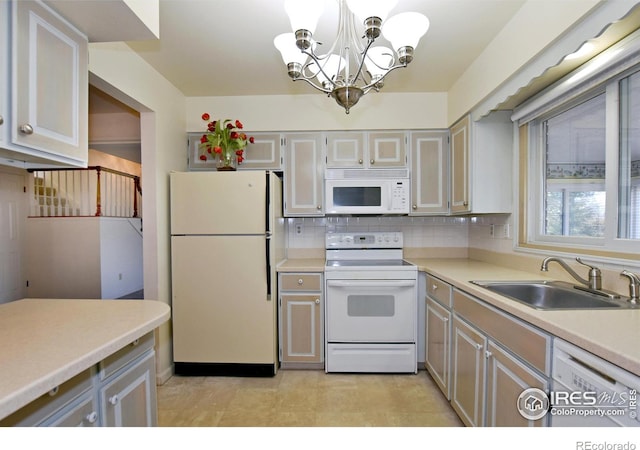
(220, 309)
(218, 202)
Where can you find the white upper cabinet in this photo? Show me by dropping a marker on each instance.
(359, 149)
(429, 172)
(304, 175)
(387, 149)
(481, 164)
(45, 110)
(345, 149)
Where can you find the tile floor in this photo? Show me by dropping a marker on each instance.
(305, 398)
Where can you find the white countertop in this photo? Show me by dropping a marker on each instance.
(611, 334)
(44, 342)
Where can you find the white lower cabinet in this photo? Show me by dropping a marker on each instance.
(119, 391)
(81, 413)
(438, 333)
(128, 399)
(301, 320)
(483, 358)
(468, 372)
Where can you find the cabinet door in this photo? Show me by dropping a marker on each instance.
(4, 72)
(304, 174)
(438, 337)
(468, 372)
(460, 147)
(50, 83)
(81, 414)
(429, 172)
(387, 149)
(265, 152)
(301, 328)
(507, 378)
(129, 399)
(345, 149)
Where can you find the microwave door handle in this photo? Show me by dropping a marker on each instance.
(390, 198)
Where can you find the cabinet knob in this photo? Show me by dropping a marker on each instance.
(92, 417)
(1, 120)
(434, 287)
(136, 342)
(415, 206)
(465, 203)
(319, 207)
(360, 161)
(25, 129)
(54, 391)
(445, 319)
(300, 281)
(488, 354)
(373, 161)
(317, 301)
(114, 399)
(479, 346)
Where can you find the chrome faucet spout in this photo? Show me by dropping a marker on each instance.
(595, 276)
(634, 285)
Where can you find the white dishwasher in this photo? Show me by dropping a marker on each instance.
(587, 391)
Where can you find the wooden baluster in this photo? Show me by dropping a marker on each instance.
(98, 200)
(136, 188)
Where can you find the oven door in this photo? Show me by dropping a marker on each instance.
(371, 310)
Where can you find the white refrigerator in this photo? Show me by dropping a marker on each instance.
(227, 235)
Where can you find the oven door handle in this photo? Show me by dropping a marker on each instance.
(371, 283)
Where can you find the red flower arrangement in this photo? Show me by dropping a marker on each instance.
(224, 141)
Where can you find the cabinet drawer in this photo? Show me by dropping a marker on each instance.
(122, 357)
(44, 406)
(301, 282)
(439, 290)
(528, 343)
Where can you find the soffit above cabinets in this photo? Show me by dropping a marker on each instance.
(113, 20)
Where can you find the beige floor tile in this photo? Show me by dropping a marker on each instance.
(305, 398)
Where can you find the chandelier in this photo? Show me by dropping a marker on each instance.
(353, 65)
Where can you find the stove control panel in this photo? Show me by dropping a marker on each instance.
(366, 239)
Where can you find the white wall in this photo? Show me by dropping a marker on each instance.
(120, 256)
(318, 112)
(63, 257)
(119, 72)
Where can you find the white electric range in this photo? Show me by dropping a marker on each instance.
(371, 304)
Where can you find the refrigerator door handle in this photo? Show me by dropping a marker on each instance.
(268, 260)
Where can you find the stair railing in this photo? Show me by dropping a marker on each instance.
(94, 191)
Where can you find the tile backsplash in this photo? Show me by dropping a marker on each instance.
(418, 231)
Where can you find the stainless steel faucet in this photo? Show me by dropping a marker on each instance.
(595, 275)
(634, 285)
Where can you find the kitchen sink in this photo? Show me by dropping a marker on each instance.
(554, 295)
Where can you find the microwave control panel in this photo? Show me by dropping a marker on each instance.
(400, 196)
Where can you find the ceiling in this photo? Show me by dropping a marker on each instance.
(216, 48)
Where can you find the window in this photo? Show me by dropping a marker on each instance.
(574, 175)
(580, 163)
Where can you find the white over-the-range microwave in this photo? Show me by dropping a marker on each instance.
(367, 191)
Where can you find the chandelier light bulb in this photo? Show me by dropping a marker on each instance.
(379, 60)
(304, 14)
(332, 65)
(286, 44)
(405, 30)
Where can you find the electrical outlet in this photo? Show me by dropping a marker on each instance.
(298, 229)
(506, 231)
